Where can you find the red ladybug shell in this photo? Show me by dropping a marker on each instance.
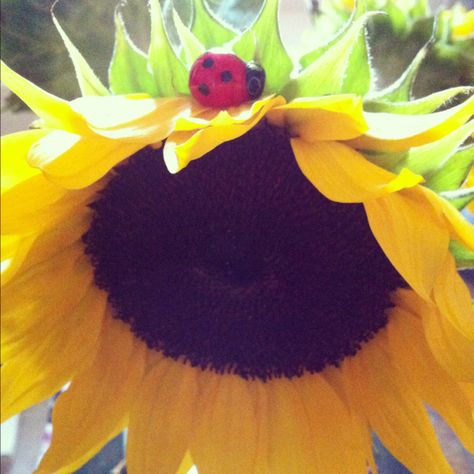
(219, 80)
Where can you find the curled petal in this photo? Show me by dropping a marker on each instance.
(344, 175)
(337, 117)
(74, 161)
(188, 144)
(393, 132)
(132, 118)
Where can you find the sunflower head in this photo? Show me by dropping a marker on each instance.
(250, 278)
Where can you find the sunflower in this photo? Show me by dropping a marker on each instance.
(249, 289)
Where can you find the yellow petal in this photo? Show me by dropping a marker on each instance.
(463, 25)
(394, 132)
(14, 150)
(34, 375)
(359, 426)
(259, 396)
(225, 439)
(451, 348)
(15, 248)
(25, 191)
(33, 319)
(75, 161)
(344, 175)
(289, 447)
(184, 146)
(186, 464)
(95, 407)
(232, 116)
(161, 418)
(410, 236)
(468, 390)
(129, 118)
(54, 111)
(338, 447)
(394, 411)
(460, 228)
(35, 283)
(409, 348)
(30, 250)
(453, 299)
(23, 214)
(321, 118)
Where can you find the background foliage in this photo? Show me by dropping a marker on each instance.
(31, 44)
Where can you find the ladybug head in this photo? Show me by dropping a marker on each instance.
(255, 79)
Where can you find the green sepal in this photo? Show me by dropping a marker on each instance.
(400, 90)
(425, 105)
(89, 83)
(171, 75)
(244, 46)
(454, 172)
(358, 76)
(426, 160)
(192, 47)
(270, 52)
(327, 73)
(459, 198)
(420, 9)
(443, 30)
(309, 58)
(399, 17)
(208, 29)
(128, 69)
(464, 257)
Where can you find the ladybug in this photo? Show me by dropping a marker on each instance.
(222, 80)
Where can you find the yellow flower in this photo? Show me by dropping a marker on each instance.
(261, 308)
(462, 22)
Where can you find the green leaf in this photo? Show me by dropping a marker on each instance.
(208, 29)
(270, 52)
(326, 74)
(171, 75)
(192, 47)
(459, 198)
(454, 171)
(400, 90)
(463, 256)
(128, 70)
(89, 83)
(425, 105)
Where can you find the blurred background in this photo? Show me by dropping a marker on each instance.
(31, 45)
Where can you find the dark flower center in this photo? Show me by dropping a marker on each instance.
(238, 264)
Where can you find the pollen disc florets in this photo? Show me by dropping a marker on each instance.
(238, 263)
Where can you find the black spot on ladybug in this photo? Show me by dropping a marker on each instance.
(255, 76)
(226, 76)
(207, 63)
(203, 89)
